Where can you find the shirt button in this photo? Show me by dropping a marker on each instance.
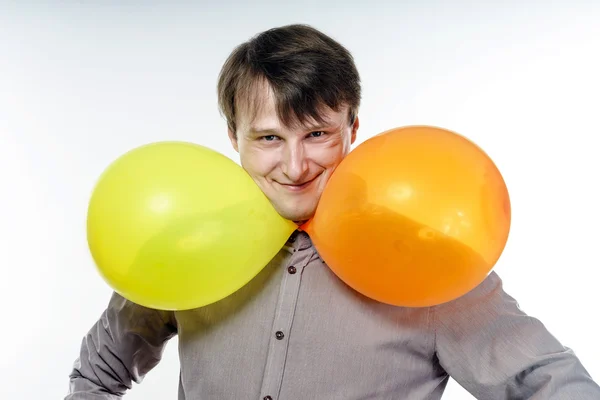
(279, 335)
(292, 270)
(267, 398)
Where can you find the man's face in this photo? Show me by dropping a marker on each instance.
(292, 165)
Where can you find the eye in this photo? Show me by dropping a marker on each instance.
(269, 138)
(317, 134)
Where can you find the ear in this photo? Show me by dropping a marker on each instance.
(233, 139)
(354, 130)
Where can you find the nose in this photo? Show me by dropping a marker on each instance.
(295, 164)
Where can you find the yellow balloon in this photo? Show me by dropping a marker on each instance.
(175, 226)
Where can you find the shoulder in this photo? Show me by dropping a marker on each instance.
(486, 303)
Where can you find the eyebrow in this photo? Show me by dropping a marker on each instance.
(273, 131)
(264, 131)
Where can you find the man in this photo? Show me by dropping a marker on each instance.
(291, 97)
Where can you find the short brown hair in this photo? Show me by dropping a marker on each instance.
(305, 68)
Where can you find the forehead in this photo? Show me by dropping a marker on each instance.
(258, 109)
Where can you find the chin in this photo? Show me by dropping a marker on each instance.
(296, 208)
(296, 215)
(297, 218)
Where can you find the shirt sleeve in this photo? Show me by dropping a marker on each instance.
(496, 351)
(121, 347)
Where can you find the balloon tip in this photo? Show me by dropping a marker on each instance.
(305, 226)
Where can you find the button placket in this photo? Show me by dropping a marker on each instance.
(284, 315)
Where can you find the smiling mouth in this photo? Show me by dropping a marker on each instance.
(298, 187)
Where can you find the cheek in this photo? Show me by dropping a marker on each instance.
(258, 163)
(329, 156)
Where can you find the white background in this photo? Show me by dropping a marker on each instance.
(83, 82)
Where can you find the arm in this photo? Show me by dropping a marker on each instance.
(496, 351)
(127, 341)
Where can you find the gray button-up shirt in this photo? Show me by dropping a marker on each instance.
(297, 332)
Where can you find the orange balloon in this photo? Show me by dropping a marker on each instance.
(415, 216)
